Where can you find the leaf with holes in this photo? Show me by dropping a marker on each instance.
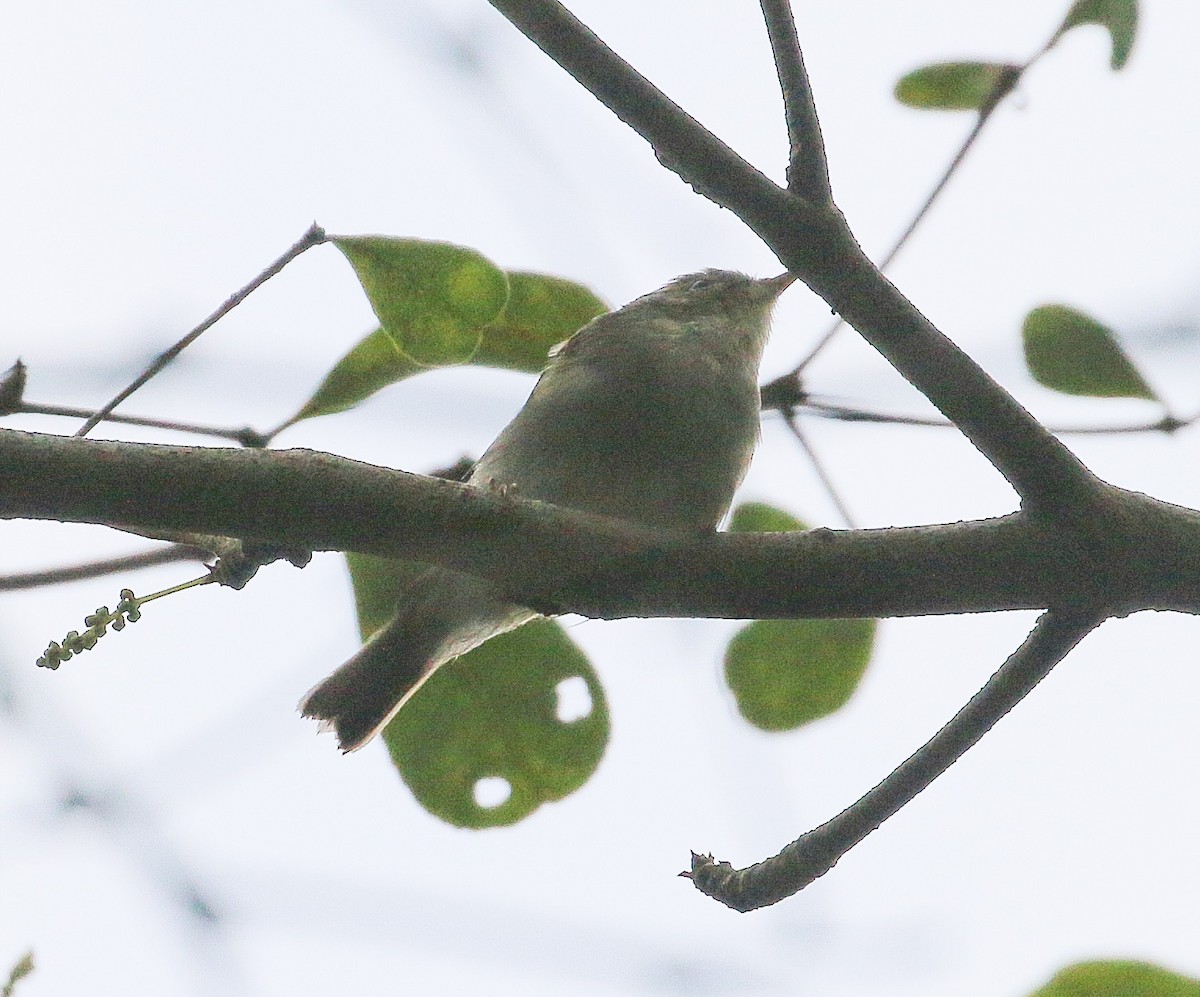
(432, 298)
(1119, 17)
(1118, 979)
(957, 86)
(494, 714)
(1073, 353)
(787, 673)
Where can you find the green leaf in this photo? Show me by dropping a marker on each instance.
(787, 673)
(957, 86)
(1118, 979)
(542, 311)
(1118, 16)
(758, 517)
(432, 298)
(490, 714)
(373, 363)
(1073, 353)
(378, 583)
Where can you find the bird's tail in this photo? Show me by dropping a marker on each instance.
(442, 615)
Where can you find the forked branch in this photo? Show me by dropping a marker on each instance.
(814, 243)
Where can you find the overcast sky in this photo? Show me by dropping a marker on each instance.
(170, 826)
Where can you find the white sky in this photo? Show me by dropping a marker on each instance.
(158, 155)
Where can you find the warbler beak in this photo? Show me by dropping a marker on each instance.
(780, 282)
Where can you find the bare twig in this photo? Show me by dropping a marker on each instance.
(808, 169)
(97, 569)
(826, 481)
(1166, 424)
(815, 853)
(313, 237)
(889, 257)
(679, 141)
(1005, 85)
(246, 436)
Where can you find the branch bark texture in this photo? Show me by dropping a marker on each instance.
(1142, 554)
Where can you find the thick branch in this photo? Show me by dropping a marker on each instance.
(815, 244)
(1144, 554)
(815, 853)
(680, 142)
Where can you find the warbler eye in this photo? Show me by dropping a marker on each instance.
(702, 283)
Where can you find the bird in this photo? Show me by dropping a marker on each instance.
(649, 413)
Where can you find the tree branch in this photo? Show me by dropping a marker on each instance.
(96, 569)
(1142, 553)
(679, 141)
(808, 168)
(313, 237)
(815, 244)
(815, 853)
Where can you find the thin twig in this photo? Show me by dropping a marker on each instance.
(826, 481)
(246, 436)
(890, 256)
(1005, 85)
(808, 168)
(313, 237)
(97, 569)
(844, 413)
(815, 853)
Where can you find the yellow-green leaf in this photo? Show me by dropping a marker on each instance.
(541, 312)
(957, 86)
(1119, 17)
(432, 298)
(758, 517)
(1071, 352)
(492, 714)
(373, 362)
(787, 673)
(1118, 978)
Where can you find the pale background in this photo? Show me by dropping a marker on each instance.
(168, 824)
